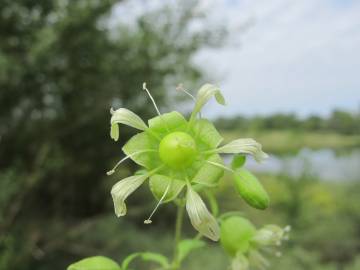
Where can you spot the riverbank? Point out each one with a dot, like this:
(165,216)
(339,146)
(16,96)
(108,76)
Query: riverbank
(290,141)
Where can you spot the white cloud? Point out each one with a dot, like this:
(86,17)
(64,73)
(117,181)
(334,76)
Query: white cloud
(299,56)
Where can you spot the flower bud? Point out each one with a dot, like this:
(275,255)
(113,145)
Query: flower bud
(271,235)
(250,189)
(235,234)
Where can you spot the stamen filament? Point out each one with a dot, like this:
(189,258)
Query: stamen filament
(127,157)
(154,103)
(220,166)
(152,99)
(149,221)
(181,88)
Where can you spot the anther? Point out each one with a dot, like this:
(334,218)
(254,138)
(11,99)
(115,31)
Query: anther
(110,172)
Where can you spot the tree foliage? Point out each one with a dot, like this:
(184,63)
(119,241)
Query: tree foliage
(60,66)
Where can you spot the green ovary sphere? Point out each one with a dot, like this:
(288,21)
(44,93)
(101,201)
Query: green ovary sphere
(177,150)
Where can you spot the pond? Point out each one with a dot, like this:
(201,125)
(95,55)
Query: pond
(325,164)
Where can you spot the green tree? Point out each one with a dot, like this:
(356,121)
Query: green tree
(60,66)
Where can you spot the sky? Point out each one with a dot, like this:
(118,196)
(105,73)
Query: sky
(286,56)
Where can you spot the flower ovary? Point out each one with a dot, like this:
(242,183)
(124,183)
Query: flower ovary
(177,150)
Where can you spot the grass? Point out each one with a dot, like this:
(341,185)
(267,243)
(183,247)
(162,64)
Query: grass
(287,141)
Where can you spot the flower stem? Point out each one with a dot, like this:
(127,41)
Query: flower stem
(178,228)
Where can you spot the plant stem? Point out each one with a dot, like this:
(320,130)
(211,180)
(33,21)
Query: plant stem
(178,228)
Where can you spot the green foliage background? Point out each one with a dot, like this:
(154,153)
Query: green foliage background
(61,68)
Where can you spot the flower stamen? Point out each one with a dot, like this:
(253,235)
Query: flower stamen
(220,166)
(127,157)
(180,87)
(154,103)
(148,220)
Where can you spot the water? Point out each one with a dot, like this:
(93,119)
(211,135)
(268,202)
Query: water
(325,164)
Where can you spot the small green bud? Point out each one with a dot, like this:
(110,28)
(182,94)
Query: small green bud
(235,234)
(177,150)
(250,189)
(238,161)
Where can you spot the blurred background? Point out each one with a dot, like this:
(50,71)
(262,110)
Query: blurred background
(288,69)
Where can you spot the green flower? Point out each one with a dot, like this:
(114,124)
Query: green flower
(177,155)
(244,243)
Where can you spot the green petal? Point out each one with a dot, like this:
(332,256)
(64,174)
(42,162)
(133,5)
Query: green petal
(114,132)
(95,263)
(126,117)
(203,96)
(244,146)
(209,174)
(172,121)
(204,130)
(201,219)
(122,189)
(271,235)
(159,183)
(139,142)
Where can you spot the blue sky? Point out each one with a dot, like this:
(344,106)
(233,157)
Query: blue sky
(295,56)
(281,56)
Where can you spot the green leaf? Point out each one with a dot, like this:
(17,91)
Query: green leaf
(172,121)
(250,189)
(238,161)
(146,256)
(209,174)
(125,263)
(155,257)
(139,142)
(188,245)
(95,263)
(205,131)
(159,183)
